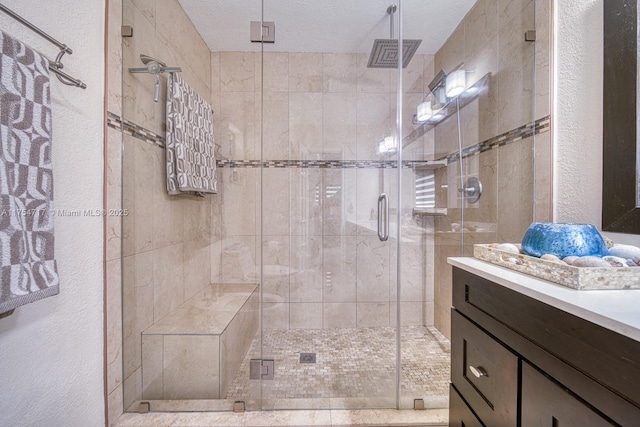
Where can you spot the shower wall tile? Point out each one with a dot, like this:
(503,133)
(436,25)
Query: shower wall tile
(516,62)
(146,7)
(238,259)
(480,24)
(338,205)
(372,314)
(306,269)
(543,179)
(339,315)
(412,77)
(307,188)
(168,272)
(215,72)
(306,315)
(305,125)
(239,201)
(114,58)
(138,306)
(412,270)
(191,367)
(515,187)
(543,56)
(197,218)
(411,313)
(197,267)
(368,189)
(275,314)
(274,75)
(138,88)
(238,122)
(305,72)
(428,72)
(237,71)
(276,201)
(168,211)
(132,389)
(480,118)
(339,125)
(114,194)
(113,353)
(137,197)
(373,267)
(485,168)
(376,80)
(114,405)
(339,72)
(339,262)
(451,54)
(216,261)
(276,269)
(510,9)
(275,125)
(152,384)
(376,119)
(173,24)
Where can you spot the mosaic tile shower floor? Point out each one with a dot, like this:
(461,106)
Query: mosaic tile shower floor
(351,363)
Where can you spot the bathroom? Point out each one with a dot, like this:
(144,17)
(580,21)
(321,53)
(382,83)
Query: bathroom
(309,250)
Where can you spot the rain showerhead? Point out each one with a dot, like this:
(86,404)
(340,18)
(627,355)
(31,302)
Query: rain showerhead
(384,53)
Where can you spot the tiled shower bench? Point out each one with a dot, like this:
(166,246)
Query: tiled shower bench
(195,351)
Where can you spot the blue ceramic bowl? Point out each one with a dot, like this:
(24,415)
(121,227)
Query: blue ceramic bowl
(563,240)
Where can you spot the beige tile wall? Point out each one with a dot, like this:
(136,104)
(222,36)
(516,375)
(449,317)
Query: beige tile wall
(491,39)
(324,266)
(166,241)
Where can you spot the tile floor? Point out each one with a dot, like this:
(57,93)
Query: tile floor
(350,363)
(354,369)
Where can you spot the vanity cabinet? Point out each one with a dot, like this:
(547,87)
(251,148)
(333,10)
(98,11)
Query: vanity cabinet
(518,361)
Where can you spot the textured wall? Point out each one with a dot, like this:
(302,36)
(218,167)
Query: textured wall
(52,350)
(578,111)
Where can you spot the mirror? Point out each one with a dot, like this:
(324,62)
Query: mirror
(621,171)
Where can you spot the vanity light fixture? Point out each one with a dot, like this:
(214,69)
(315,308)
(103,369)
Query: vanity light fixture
(425,112)
(456,83)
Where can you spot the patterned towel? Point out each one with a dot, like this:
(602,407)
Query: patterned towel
(28,270)
(191,165)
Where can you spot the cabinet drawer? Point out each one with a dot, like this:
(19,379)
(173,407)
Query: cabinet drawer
(547,404)
(484,372)
(459,413)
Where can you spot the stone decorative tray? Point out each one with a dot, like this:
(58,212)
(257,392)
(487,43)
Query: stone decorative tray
(580,278)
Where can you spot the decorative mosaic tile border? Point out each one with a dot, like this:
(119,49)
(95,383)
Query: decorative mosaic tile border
(525,131)
(116,122)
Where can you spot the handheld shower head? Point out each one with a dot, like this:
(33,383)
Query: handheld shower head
(146,60)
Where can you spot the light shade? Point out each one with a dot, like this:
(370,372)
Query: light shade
(387,145)
(425,112)
(456,83)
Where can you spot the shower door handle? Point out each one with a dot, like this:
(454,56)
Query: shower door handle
(383,235)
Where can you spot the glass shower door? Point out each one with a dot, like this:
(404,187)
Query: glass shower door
(328,183)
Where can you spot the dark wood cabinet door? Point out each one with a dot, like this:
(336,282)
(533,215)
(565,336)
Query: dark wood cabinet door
(547,404)
(484,372)
(459,413)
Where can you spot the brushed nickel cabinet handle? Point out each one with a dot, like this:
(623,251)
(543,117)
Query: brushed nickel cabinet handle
(478,372)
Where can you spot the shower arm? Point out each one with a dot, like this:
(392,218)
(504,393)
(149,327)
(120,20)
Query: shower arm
(391,10)
(162,70)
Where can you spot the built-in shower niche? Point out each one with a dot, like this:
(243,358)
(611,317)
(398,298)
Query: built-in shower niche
(195,351)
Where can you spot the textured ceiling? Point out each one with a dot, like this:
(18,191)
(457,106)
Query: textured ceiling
(323,25)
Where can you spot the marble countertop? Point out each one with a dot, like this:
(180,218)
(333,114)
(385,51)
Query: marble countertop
(617,310)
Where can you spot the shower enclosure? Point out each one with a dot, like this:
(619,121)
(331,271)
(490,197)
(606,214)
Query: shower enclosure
(316,277)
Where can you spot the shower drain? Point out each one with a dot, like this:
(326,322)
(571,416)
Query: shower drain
(307,358)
